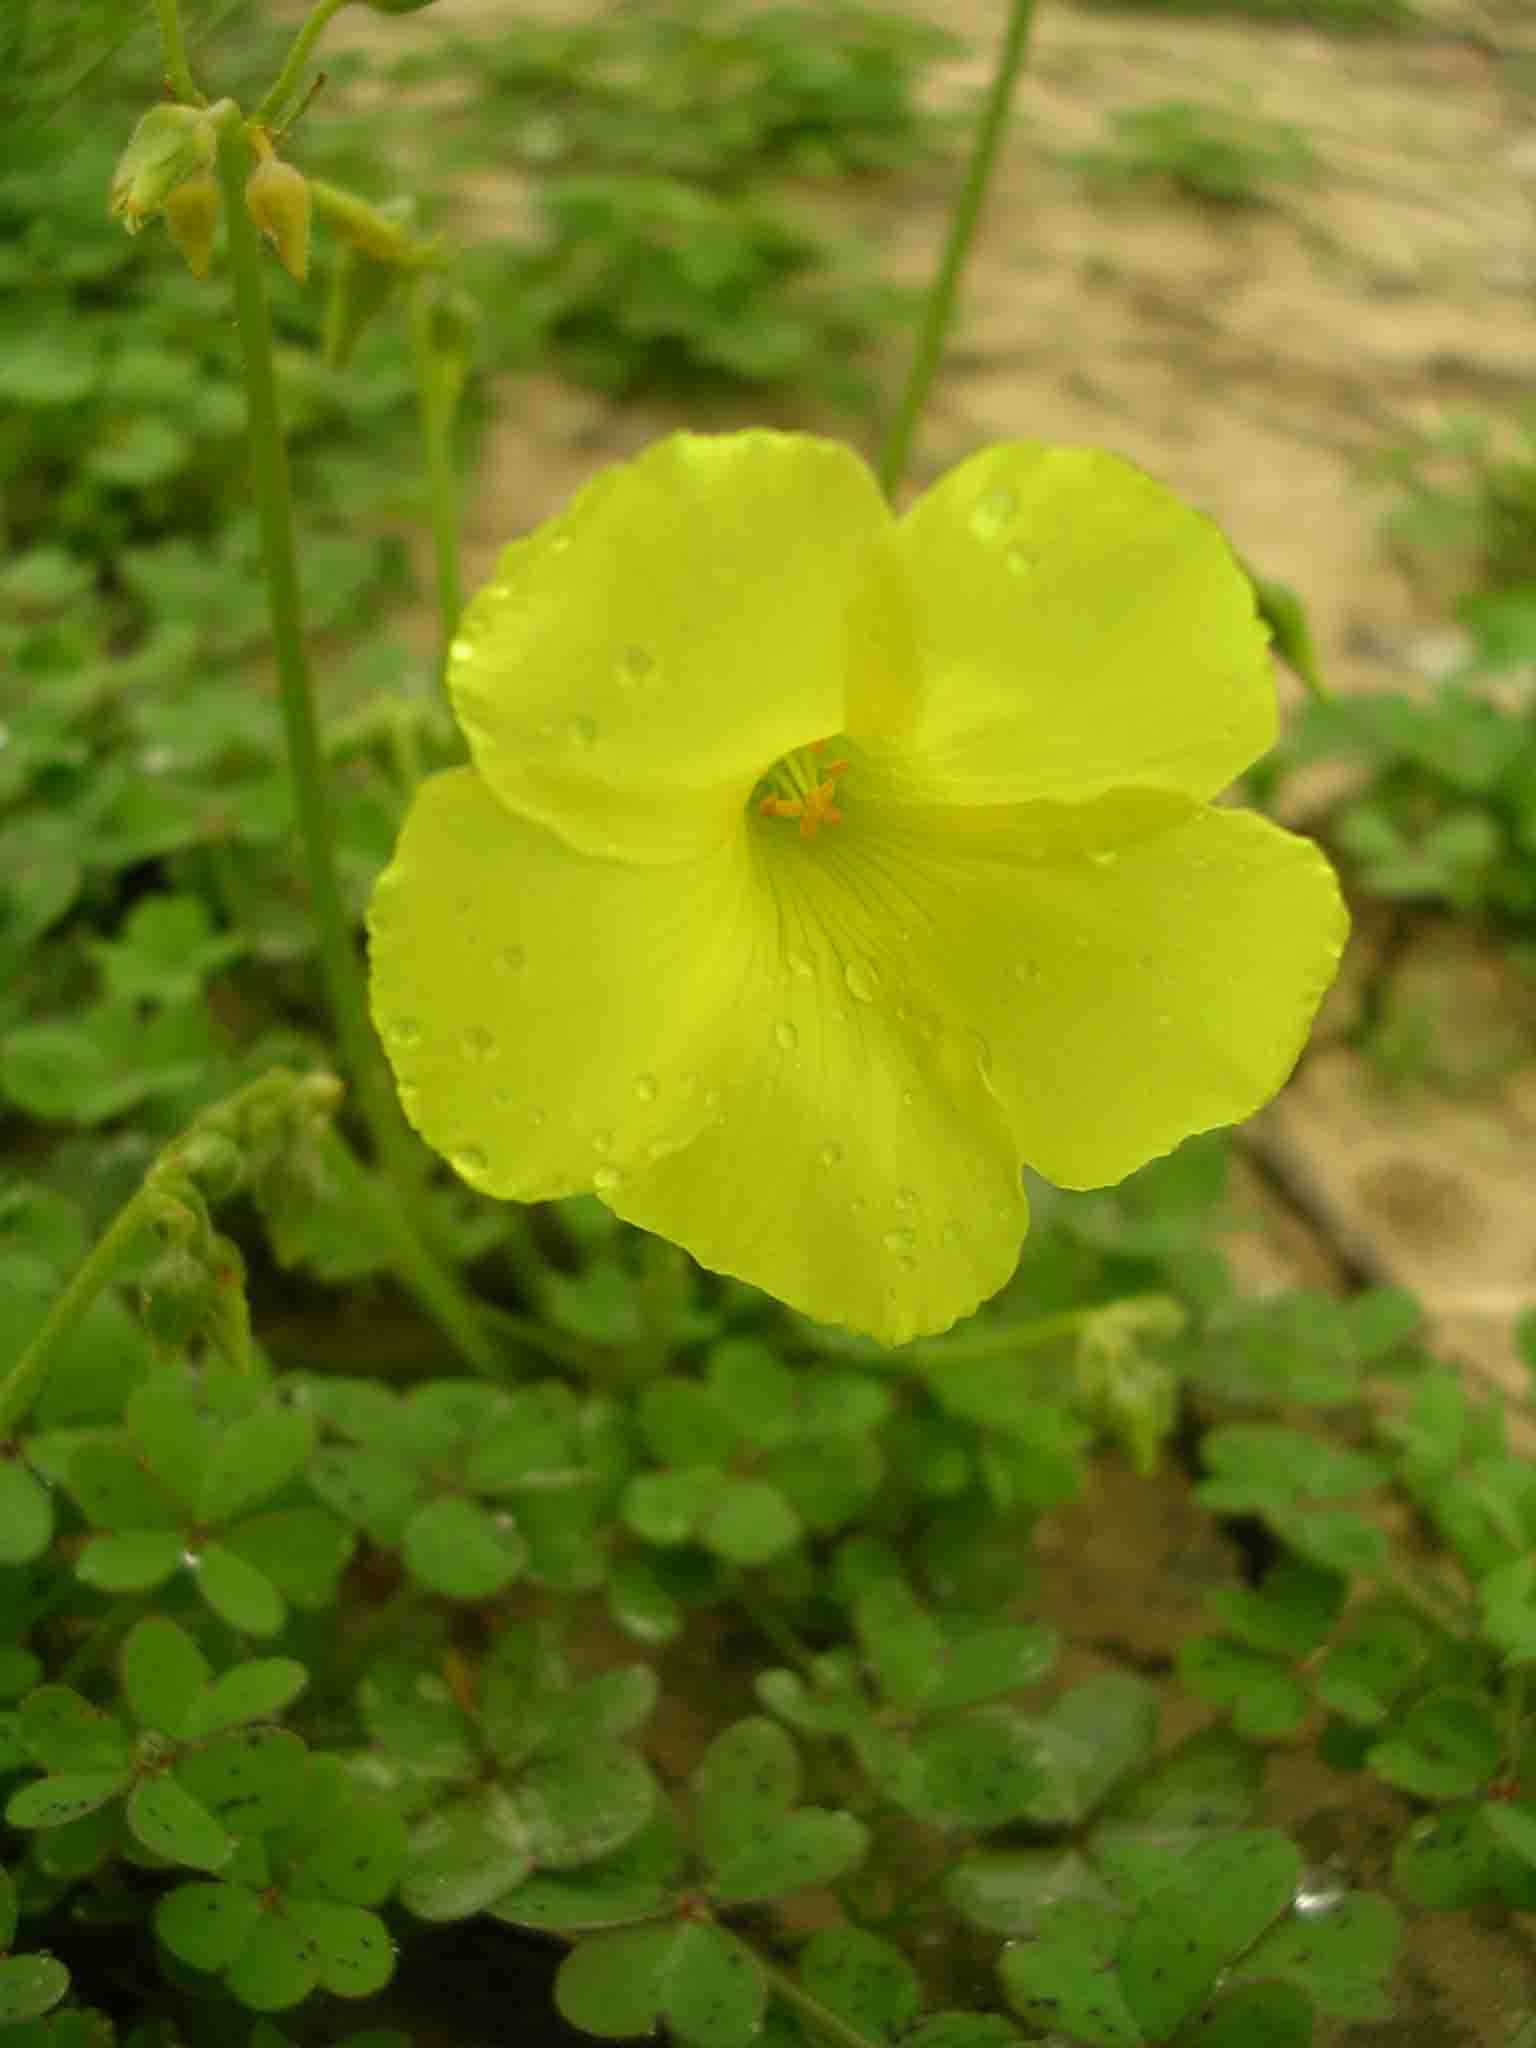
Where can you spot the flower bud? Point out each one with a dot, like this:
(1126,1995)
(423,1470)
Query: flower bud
(176,1295)
(171,144)
(360,288)
(192,216)
(277,199)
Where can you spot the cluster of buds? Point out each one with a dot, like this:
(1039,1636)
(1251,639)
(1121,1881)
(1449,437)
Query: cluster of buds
(168,168)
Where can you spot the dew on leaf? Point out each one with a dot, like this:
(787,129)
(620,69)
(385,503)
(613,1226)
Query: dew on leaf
(863,979)
(992,511)
(633,666)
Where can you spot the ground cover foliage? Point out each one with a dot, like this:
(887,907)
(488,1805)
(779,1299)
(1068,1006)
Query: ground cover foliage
(704,1648)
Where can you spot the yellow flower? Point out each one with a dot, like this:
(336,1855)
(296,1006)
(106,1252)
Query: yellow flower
(817,867)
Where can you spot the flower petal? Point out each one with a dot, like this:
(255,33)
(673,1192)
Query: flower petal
(1143,970)
(640,660)
(1079,630)
(544,1011)
(859,1169)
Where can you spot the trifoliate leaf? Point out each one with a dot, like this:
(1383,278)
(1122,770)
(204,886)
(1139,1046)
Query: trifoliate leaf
(207,1925)
(164,1673)
(699,1979)
(250,1781)
(453,1546)
(746,1782)
(865,1980)
(26,1515)
(171,1821)
(237,1592)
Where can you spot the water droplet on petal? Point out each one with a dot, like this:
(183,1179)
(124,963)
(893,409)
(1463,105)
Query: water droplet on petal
(1019,561)
(633,667)
(906,1198)
(602,1141)
(606,1179)
(461,650)
(470,1159)
(863,979)
(479,1043)
(786,1036)
(1105,857)
(511,959)
(950,1234)
(831,1154)
(645,1087)
(800,964)
(898,1240)
(1027,971)
(403,1031)
(711,1100)
(907,1098)
(582,731)
(559,543)
(992,511)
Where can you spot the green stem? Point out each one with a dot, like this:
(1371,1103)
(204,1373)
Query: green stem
(941,296)
(432,1285)
(437,456)
(340,967)
(988,1346)
(24,1381)
(178,75)
(272,109)
(829,2025)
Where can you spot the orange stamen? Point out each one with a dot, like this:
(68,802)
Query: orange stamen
(816,809)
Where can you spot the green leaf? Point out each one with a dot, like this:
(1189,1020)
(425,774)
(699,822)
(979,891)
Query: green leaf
(578,1805)
(746,1781)
(1254,1461)
(172,1433)
(1340,1957)
(1059,1986)
(533,1444)
(1446,1746)
(1285,615)
(252,1460)
(8,1913)
(989,1660)
(465,1854)
(278,1966)
(1256,2016)
(750,1524)
(255,1691)
(411,1713)
(683,1424)
(349,1842)
(63,1732)
(453,1546)
(115,1492)
(1264,1698)
(1341,1542)
(82,1845)
(207,1925)
(963,2030)
(863,1979)
(640,1604)
(353,1953)
(29,1987)
(26,1515)
(303,1551)
(668,1507)
(164,1673)
(1090,1738)
(237,1592)
(55,1802)
(1226,1893)
(1289,1616)
(903,1644)
(1514,1828)
(1457,1858)
(250,1781)
(699,1979)
(374,1488)
(1007,1891)
(168,1819)
(756,1391)
(1365,1673)
(637,1882)
(131,1561)
(809,1846)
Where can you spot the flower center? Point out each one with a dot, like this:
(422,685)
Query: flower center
(804,787)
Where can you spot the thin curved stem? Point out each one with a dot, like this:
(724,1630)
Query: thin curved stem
(941,295)
(178,74)
(23,1383)
(341,969)
(272,109)
(437,458)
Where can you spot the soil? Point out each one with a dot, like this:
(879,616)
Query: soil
(1256,359)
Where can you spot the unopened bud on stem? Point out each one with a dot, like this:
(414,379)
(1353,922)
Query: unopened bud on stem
(277,199)
(171,144)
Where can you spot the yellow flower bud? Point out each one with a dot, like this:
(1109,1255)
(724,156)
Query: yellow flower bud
(277,199)
(170,144)
(192,217)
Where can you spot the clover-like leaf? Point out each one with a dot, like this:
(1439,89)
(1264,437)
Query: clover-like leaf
(1339,1957)
(30,1985)
(865,1980)
(1225,1894)
(465,1854)
(26,1514)
(207,1925)
(699,1979)
(164,1673)
(174,1823)
(237,1592)
(453,1546)
(746,1782)
(249,1779)
(637,1882)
